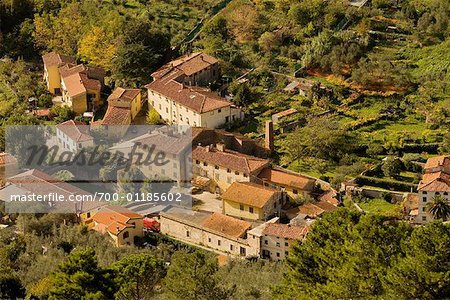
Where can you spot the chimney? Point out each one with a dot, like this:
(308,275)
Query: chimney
(221,147)
(269,135)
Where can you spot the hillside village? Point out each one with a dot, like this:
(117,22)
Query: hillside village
(291,144)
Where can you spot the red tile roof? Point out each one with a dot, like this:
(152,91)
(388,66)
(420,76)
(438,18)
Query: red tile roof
(330,197)
(287,178)
(7,159)
(75,130)
(291,232)
(285,113)
(198,99)
(438,161)
(229,159)
(56,59)
(226,225)
(249,193)
(114,219)
(117,116)
(79,83)
(435,182)
(122,94)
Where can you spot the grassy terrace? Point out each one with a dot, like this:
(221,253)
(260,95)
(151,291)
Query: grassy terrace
(379,206)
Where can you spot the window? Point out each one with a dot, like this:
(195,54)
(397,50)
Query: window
(245,175)
(278,244)
(424,199)
(216,167)
(250,209)
(231,247)
(160,107)
(219,110)
(126,234)
(423,208)
(424,218)
(445,193)
(197,162)
(286,244)
(228,171)
(205,164)
(266,242)
(153,103)
(241,206)
(209,240)
(278,254)
(236,173)
(286,253)
(437,193)
(88,215)
(188,234)
(424,192)
(295,192)
(219,242)
(167,110)
(181,117)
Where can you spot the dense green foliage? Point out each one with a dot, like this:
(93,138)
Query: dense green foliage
(349,255)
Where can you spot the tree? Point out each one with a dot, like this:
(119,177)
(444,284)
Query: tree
(345,255)
(137,275)
(140,52)
(439,208)
(322,138)
(80,277)
(10,286)
(392,166)
(153,117)
(193,276)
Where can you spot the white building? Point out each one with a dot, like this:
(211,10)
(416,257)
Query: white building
(435,181)
(73,136)
(176,93)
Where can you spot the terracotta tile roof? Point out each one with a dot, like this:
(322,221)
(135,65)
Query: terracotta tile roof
(79,83)
(286,178)
(226,225)
(117,116)
(326,206)
(197,99)
(435,182)
(330,197)
(174,144)
(75,130)
(7,159)
(438,161)
(311,210)
(114,219)
(122,94)
(55,59)
(42,183)
(285,113)
(70,69)
(189,64)
(229,159)
(291,232)
(249,193)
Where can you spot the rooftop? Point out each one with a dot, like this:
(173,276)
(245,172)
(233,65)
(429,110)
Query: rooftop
(287,178)
(291,232)
(249,193)
(435,182)
(438,161)
(117,116)
(79,83)
(56,59)
(114,219)
(227,225)
(7,159)
(126,95)
(75,130)
(229,159)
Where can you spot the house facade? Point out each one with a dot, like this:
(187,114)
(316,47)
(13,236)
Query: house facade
(277,239)
(435,182)
(224,167)
(73,136)
(292,183)
(251,201)
(124,226)
(213,231)
(126,98)
(78,85)
(180,95)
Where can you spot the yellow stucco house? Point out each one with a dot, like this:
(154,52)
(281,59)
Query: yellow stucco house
(79,85)
(124,226)
(251,201)
(126,98)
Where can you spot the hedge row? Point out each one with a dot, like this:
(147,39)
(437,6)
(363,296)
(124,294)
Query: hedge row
(386,184)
